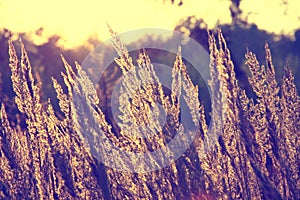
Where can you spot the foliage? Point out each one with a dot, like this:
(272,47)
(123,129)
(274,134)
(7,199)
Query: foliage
(256,157)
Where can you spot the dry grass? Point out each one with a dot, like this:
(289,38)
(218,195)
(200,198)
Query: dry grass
(256,157)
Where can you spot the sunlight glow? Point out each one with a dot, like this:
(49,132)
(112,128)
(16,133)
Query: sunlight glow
(75,21)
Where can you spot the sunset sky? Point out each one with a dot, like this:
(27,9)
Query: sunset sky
(76,20)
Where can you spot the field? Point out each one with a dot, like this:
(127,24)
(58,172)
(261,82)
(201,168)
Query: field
(249,149)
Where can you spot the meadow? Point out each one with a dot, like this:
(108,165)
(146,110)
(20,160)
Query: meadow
(43,155)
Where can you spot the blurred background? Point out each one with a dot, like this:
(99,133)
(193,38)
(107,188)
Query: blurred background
(75,28)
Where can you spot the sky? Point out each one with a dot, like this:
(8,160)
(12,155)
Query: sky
(75,21)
